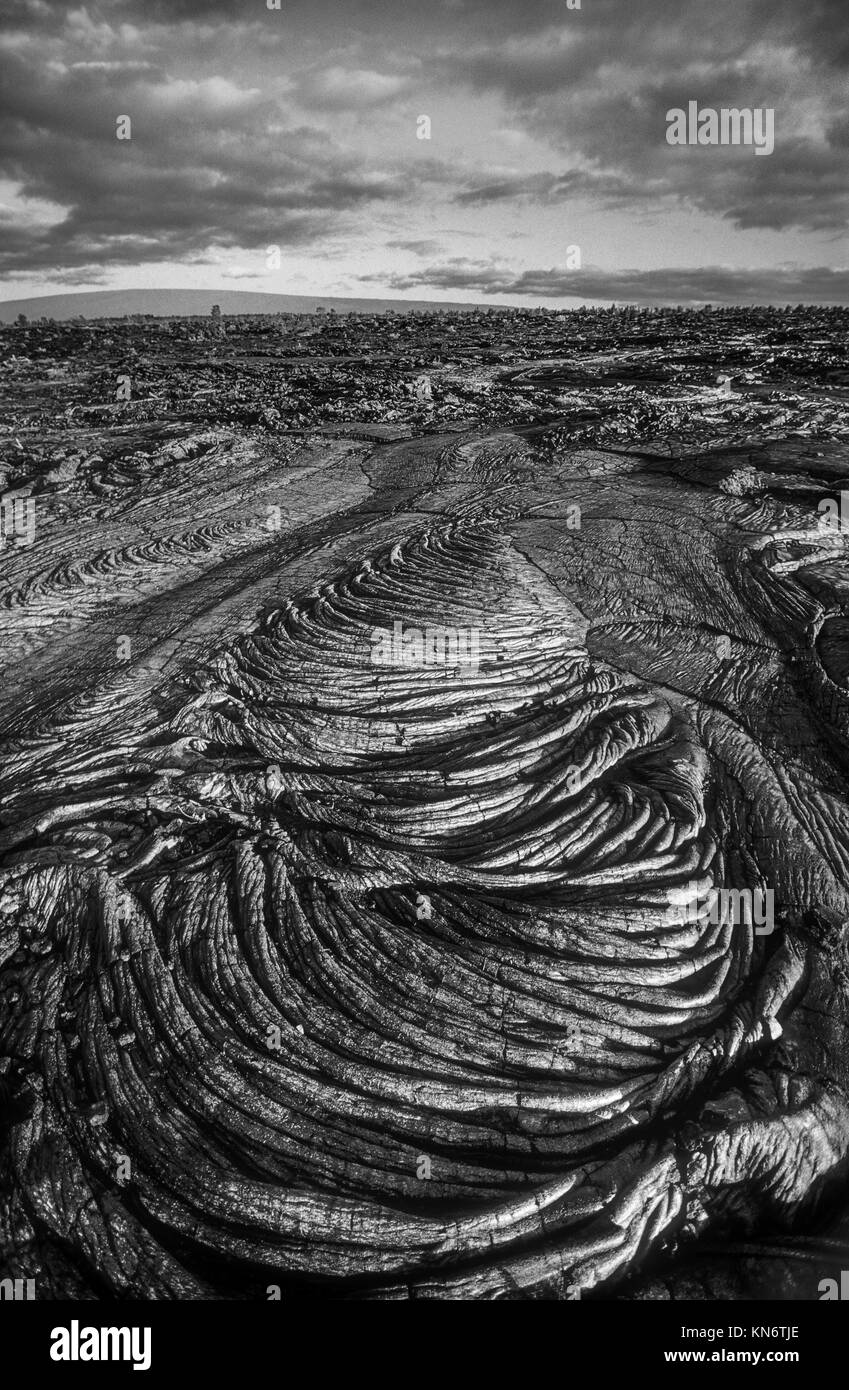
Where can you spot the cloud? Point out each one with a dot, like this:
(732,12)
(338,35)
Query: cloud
(90,275)
(116,66)
(341,89)
(212,163)
(254,127)
(191,99)
(597,91)
(425,247)
(671,285)
(798,186)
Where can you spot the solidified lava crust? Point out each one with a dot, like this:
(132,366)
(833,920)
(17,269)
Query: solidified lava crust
(353,974)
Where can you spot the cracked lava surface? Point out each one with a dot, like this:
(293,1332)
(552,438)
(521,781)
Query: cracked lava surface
(235,1054)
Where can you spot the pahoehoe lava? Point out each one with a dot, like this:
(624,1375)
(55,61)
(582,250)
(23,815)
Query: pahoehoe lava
(236,1054)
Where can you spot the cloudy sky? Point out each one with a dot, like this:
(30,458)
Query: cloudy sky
(298,128)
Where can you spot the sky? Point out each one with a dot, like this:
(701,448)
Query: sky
(279,150)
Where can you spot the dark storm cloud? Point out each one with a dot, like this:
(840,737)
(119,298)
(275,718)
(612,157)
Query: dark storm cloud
(700,285)
(550,46)
(23,14)
(209,164)
(224,157)
(797,186)
(598,88)
(376,17)
(426,247)
(816,27)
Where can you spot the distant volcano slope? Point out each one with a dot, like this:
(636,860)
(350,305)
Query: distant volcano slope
(392,946)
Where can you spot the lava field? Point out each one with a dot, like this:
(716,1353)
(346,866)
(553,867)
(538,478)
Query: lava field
(424,827)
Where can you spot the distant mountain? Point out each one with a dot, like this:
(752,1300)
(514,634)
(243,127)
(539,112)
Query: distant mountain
(101,304)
